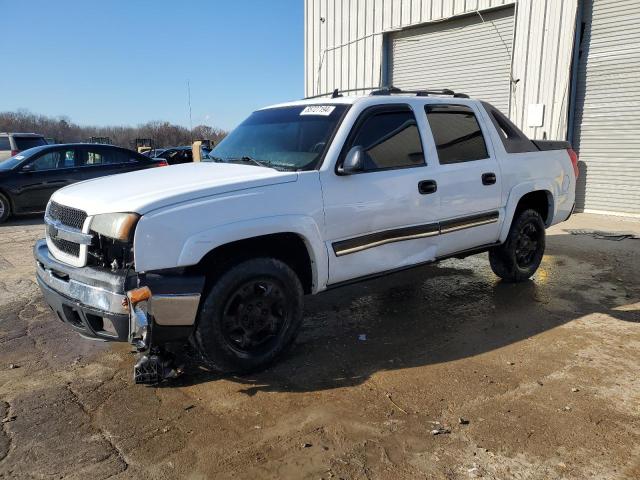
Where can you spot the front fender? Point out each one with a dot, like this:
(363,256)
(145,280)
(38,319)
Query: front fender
(196,246)
(519,191)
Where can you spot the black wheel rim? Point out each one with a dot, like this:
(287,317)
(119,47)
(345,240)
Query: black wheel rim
(527,244)
(254,316)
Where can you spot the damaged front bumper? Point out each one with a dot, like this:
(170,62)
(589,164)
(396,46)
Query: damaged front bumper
(99,304)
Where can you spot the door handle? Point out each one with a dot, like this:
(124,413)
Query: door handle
(426,187)
(488,178)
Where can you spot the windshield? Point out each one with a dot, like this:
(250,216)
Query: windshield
(287,138)
(14,161)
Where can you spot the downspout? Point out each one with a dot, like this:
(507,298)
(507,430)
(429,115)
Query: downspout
(577,40)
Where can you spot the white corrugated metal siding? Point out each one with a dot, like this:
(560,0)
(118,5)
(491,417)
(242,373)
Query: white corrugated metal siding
(345,48)
(607,114)
(543,51)
(470,54)
(344,38)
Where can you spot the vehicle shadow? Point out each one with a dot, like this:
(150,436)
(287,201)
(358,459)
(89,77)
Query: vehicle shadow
(428,315)
(24,220)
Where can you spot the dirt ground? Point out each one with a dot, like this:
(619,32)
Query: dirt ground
(530,381)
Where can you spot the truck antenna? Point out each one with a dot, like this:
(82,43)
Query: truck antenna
(190,121)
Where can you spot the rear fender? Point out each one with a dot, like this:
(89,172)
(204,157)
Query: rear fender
(520,191)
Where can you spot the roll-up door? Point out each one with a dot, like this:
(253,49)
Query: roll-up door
(470,54)
(607,107)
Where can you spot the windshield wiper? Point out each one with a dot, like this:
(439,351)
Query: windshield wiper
(260,163)
(248,159)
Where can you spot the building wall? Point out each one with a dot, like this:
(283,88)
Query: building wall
(345,42)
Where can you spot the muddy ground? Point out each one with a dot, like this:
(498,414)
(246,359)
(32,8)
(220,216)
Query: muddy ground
(545,373)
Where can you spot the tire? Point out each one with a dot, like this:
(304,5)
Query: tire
(251,315)
(5,208)
(519,257)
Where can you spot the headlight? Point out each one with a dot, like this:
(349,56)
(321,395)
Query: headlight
(118,226)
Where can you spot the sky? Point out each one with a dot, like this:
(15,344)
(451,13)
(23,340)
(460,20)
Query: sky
(126,62)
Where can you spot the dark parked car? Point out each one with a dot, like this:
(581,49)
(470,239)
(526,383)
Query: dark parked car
(28,179)
(176,155)
(155,153)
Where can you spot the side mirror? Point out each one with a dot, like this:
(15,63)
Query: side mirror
(353,162)
(27,168)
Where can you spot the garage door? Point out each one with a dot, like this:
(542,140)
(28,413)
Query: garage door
(607,112)
(466,55)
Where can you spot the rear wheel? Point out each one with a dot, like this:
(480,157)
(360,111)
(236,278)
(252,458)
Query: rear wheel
(519,257)
(5,208)
(250,316)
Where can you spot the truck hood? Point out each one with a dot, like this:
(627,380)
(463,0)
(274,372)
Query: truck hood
(146,190)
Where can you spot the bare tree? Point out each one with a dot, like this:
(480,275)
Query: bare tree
(63,130)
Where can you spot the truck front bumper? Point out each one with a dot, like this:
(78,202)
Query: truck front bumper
(94,301)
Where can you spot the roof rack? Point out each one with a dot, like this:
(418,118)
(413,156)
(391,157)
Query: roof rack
(390,90)
(419,93)
(337,92)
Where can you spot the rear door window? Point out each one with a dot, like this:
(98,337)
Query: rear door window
(93,156)
(457,133)
(4,143)
(24,143)
(96,156)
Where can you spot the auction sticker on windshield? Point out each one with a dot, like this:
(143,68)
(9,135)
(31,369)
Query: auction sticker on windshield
(318,110)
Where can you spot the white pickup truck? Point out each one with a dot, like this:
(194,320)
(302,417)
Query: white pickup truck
(299,198)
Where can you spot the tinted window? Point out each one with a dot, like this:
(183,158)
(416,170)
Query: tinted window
(54,160)
(118,156)
(457,133)
(513,139)
(105,156)
(390,139)
(4,143)
(287,137)
(23,143)
(94,157)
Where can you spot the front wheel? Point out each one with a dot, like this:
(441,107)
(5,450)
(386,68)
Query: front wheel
(519,257)
(5,208)
(250,316)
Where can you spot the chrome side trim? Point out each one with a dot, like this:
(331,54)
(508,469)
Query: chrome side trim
(90,296)
(468,222)
(371,240)
(175,309)
(359,248)
(357,244)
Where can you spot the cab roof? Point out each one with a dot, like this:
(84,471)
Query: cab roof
(385,95)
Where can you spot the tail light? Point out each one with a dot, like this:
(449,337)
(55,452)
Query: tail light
(162,163)
(14,152)
(574,160)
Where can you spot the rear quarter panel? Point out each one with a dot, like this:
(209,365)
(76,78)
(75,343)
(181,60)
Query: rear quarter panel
(550,171)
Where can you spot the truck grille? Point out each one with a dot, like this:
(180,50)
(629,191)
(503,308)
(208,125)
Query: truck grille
(70,217)
(66,246)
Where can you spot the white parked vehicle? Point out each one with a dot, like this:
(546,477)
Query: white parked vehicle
(300,198)
(13,143)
